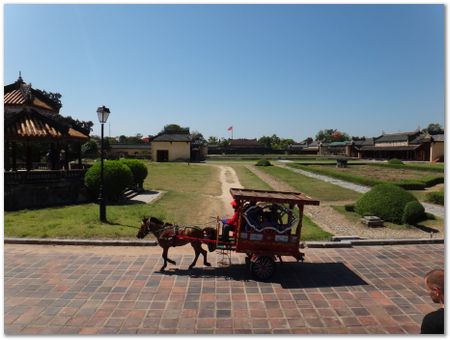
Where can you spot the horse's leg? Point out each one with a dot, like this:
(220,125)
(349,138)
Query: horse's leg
(204,253)
(164,256)
(195,245)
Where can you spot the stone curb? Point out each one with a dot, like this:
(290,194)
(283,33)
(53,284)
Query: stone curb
(379,242)
(79,242)
(311,244)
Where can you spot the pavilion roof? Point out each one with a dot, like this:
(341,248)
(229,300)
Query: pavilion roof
(19,93)
(30,124)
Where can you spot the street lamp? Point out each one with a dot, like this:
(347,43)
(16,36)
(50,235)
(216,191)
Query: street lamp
(103,113)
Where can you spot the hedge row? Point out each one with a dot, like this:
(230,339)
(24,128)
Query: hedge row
(410,167)
(436,197)
(408,184)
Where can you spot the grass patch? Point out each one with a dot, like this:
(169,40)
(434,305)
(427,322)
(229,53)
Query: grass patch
(312,232)
(312,187)
(248,179)
(369,175)
(185,184)
(431,222)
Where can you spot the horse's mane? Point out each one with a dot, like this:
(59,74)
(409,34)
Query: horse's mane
(155,220)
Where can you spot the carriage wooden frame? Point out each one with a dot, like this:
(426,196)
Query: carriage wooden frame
(264,247)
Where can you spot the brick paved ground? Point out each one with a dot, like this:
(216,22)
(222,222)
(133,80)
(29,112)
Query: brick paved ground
(96,290)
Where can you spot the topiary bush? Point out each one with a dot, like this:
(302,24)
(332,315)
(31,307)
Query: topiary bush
(386,201)
(349,207)
(139,170)
(395,161)
(436,197)
(117,176)
(263,162)
(414,212)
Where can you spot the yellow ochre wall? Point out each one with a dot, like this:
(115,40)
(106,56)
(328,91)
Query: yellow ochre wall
(437,150)
(178,151)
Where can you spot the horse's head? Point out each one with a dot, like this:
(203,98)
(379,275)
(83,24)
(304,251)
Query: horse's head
(210,234)
(148,225)
(144,229)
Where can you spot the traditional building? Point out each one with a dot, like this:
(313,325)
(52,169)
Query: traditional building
(131,150)
(171,147)
(34,130)
(412,146)
(32,119)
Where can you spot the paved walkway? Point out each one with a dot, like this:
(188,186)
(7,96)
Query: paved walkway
(118,290)
(431,208)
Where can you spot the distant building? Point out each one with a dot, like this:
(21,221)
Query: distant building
(245,146)
(401,145)
(171,147)
(131,150)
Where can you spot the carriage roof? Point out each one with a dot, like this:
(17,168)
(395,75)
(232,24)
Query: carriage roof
(272,196)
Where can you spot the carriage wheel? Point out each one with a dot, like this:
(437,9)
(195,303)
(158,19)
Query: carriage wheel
(263,267)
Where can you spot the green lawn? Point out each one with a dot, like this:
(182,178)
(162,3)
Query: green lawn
(354,217)
(186,187)
(312,232)
(320,190)
(372,174)
(248,179)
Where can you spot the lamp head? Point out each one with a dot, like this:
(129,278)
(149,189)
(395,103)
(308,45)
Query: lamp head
(103,114)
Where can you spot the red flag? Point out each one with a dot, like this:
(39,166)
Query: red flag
(230,128)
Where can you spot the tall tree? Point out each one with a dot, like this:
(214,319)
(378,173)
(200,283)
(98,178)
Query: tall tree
(331,135)
(213,140)
(433,129)
(174,128)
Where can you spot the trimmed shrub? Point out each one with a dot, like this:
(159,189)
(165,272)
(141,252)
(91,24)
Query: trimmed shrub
(386,201)
(139,170)
(432,181)
(395,161)
(117,176)
(263,162)
(414,212)
(410,184)
(349,207)
(436,197)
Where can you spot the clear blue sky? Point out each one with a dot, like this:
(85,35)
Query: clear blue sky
(285,69)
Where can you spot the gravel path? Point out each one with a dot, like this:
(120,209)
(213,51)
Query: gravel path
(332,221)
(430,208)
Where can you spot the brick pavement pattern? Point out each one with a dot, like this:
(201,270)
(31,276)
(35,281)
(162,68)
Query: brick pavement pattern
(360,290)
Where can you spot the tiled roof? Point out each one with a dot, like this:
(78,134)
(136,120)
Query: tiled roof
(245,142)
(17,93)
(438,138)
(169,137)
(33,125)
(396,137)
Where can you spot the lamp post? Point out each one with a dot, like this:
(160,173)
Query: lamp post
(103,113)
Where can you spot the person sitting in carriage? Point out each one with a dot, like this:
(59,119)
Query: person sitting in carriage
(230,224)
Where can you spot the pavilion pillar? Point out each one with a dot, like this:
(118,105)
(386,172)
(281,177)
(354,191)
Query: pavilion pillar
(29,164)
(79,155)
(6,156)
(65,160)
(14,156)
(53,156)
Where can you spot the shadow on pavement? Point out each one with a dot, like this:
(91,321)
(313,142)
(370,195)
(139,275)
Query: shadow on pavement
(288,275)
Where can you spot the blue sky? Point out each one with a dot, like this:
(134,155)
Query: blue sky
(285,69)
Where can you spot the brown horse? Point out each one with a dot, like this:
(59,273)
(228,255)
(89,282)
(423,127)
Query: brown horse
(169,235)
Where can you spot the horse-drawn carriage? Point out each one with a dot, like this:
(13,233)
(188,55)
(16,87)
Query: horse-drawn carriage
(268,228)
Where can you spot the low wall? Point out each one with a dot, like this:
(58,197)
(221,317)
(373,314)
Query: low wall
(39,189)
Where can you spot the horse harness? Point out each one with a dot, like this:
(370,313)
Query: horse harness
(176,231)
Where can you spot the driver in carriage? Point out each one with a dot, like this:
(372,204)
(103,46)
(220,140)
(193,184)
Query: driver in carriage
(230,224)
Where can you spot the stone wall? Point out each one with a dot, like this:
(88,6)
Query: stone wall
(40,189)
